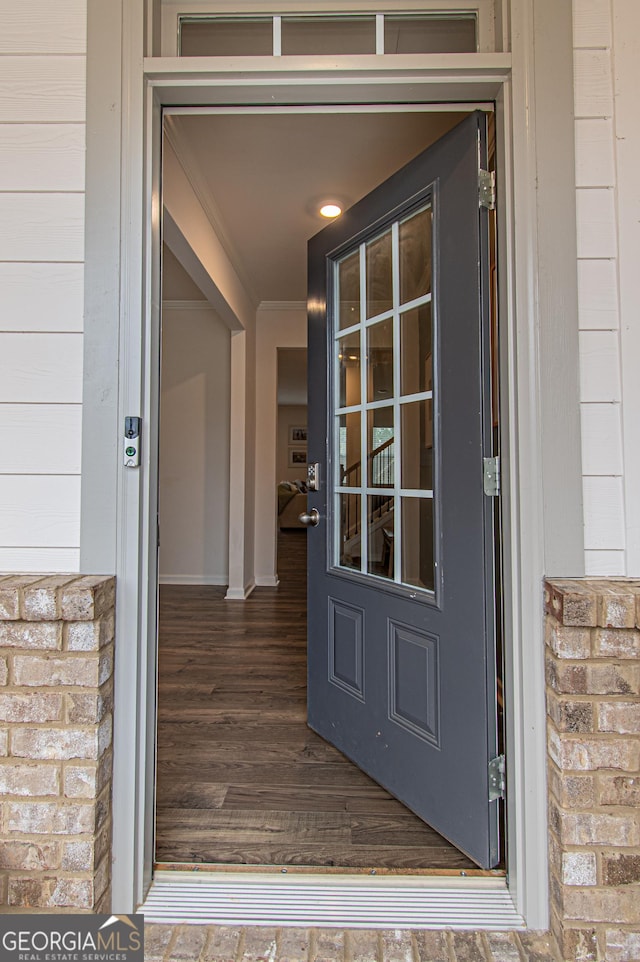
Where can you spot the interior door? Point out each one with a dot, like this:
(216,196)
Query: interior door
(402,665)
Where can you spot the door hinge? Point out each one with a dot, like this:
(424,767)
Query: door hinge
(496,778)
(487,189)
(492,477)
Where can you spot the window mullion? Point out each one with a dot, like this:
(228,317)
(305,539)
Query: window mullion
(277,36)
(364,422)
(397,506)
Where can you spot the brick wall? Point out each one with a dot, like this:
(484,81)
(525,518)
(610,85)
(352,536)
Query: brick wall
(56,698)
(593,720)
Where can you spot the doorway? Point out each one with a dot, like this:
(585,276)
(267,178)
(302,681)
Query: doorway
(242,780)
(207,616)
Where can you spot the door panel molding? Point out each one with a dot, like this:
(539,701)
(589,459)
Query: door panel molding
(427,727)
(341,646)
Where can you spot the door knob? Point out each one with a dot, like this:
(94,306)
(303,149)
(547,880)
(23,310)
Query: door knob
(310,519)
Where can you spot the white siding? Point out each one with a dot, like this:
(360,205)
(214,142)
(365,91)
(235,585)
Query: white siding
(41,368)
(592,24)
(42,141)
(595,163)
(597,227)
(593,91)
(605,563)
(42,89)
(39,511)
(601,439)
(599,367)
(596,216)
(603,505)
(42,157)
(43,26)
(597,295)
(41,297)
(41,227)
(34,438)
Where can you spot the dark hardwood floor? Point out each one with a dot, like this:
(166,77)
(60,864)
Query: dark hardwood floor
(241,779)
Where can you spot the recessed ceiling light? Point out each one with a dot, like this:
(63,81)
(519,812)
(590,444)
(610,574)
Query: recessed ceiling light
(330,210)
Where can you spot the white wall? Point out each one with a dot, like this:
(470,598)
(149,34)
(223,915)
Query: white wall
(277,325)
(289,415)
(192,239)
(42,136)
(607,79)
(194,446)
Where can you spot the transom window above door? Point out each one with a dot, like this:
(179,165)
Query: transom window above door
(323,34)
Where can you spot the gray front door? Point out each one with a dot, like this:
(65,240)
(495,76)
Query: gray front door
(402,665)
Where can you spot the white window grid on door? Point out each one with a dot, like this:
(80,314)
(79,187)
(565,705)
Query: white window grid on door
(364,490)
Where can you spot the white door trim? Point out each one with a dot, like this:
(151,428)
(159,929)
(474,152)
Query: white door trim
(163,84)
(148,85)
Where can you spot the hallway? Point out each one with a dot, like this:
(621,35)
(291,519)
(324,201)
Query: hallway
(241,778)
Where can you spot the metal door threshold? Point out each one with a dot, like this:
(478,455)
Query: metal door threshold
(325,901)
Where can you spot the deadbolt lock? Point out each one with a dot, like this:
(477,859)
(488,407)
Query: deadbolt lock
(313,476)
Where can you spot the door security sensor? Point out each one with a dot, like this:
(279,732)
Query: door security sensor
(131,449)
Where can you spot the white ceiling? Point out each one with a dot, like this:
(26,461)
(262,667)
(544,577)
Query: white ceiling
(260,177)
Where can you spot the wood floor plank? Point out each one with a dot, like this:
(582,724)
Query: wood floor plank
(348,800)
(242,828)
(198,795)
(247,773)
(241,778)
(391,829)
(191,848)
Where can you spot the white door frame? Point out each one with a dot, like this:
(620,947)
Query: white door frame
(146,87)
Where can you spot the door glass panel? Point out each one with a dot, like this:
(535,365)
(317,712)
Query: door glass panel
(417,445)
(349,369)
(349,441)
(430,34)
(384,500)
(239,37)
(416,367)
(417,542)
(349,290)
(305,36)
(380,361)
(380,453)
(415,256)
(380,534)
(350,531)
(379,276)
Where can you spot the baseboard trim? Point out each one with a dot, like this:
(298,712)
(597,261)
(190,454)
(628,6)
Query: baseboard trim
(193,580)
(239,594)
(267,581)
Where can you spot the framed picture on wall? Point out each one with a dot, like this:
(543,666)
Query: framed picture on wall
(297,457)
(298,435)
